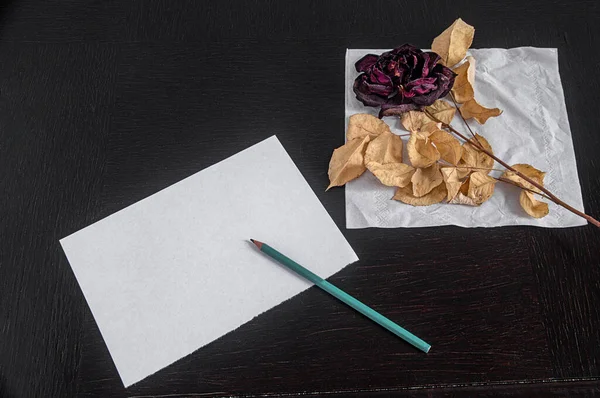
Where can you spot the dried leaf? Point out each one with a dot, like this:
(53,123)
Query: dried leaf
(405,195)
(472,109)
(462,169)
(532,206)
(481,187)
(421,151)
(347,162)
(392,174)
(453,43)
(424,180)
(427,129)
(530,171)
(414,120)
(386,148)
(362,124)
(442,110)
(471,157)
(464,188)
(448,146)
(462,199)
(452,181)
(463,89)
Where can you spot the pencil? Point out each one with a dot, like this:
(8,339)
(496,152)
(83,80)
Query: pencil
(343,297)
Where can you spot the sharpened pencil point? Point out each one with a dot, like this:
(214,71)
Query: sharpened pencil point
(257,243)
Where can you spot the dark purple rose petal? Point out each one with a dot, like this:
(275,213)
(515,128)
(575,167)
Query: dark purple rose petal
(423,80)
(366,97)
(397,110)
(363,64)
(379,89)
(420,86)
(396,101)
(422,89)
(377,76)
(446,79)
(406,49)
(432,96)
(430,60)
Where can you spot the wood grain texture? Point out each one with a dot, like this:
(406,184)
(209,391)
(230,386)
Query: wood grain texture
(105,103)
(53,130)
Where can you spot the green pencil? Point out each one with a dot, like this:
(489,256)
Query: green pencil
(344,297)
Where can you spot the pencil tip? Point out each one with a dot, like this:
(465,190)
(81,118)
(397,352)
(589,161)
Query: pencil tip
(257,243)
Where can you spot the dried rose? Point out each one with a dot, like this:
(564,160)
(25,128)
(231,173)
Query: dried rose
(401,80)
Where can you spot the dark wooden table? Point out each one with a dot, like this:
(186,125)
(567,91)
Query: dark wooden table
(103,104)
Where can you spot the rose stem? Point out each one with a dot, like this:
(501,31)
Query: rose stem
(551,196)
(462,117)
(522,187)
(448,164)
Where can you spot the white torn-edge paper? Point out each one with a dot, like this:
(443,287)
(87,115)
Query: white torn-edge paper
(175,271)
(534,128)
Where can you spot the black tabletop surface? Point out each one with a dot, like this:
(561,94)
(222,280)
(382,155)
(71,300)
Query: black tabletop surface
(105,103)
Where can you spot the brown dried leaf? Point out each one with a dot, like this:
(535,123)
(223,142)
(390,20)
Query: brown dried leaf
(528,202)
(405,195)
(362,124)
(471,157)
(347,162)
(530,171)
(421,151)
(414,120)
(424,180)
(481,187)
(386,148)
(452,181)
(532,206)
(427,129)
(448,146)
(472,109)
(392,174)
(464,188)
(463,89)
(442,110)
(462,169)
(462,199)
(453,43)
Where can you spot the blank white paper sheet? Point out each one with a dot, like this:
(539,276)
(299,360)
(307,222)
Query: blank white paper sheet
(175,271)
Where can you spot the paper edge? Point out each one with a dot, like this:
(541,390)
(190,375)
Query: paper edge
(237,328)
(274,136)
